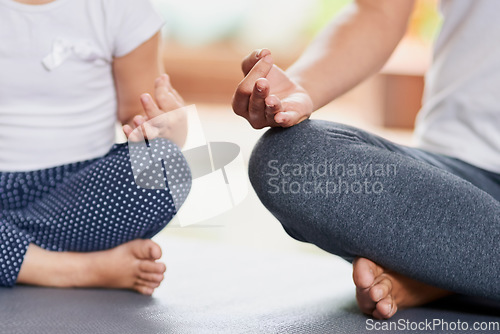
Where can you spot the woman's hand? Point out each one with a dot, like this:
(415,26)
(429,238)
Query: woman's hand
(267,96)
(166,118)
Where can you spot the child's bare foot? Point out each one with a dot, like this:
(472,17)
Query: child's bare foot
(380,292)
(129,266)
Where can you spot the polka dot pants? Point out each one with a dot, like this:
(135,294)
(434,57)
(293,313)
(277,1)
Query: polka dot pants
(86,206)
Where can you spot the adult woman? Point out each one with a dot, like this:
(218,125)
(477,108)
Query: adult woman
(431,225)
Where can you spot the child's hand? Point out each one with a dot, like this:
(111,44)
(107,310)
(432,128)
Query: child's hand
(162,119)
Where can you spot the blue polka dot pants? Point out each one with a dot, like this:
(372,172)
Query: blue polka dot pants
(84,206)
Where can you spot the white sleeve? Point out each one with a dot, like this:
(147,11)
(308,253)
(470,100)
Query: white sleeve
(131,23)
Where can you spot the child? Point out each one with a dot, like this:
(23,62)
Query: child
(71,214)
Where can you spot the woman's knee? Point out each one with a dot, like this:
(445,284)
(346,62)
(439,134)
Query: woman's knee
(271,147)
(293,173)
(294,154)
(271,170)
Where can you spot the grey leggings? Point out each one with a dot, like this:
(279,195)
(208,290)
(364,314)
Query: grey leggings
(430,217)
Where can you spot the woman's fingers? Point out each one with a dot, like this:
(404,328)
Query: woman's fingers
(289,118)
(273,106)
(241,99)
(249,62)
(295,108)
(257,104)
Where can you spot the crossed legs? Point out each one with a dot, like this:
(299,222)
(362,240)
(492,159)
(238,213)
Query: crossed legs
(87,224)
(416,225)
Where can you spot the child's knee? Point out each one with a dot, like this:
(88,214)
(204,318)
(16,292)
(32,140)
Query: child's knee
(161,165)
(155,178)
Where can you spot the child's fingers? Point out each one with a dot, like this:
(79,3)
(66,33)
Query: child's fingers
(164,83)
(150,106)
(133,135)
(165,79)
(165,97)
(150,131)
(127,129)
(138,120)
(168,102)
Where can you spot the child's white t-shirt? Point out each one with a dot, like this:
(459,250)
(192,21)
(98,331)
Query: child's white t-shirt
(57,95)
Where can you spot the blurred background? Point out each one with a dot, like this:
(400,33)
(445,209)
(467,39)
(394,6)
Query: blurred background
(204,43)
(206,40)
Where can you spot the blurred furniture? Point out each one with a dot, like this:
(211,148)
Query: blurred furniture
(391,98)
(204,75)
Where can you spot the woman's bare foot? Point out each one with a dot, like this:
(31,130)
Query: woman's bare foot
(129,266)
(380,292)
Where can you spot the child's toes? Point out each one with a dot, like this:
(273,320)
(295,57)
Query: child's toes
(152,267)
(145,290)
(149,284)
(151,277)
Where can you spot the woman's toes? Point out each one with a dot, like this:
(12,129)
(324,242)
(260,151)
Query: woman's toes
(380,289)
(152,267)
(365,303)
(385,308)
(366,275)
(364,272)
